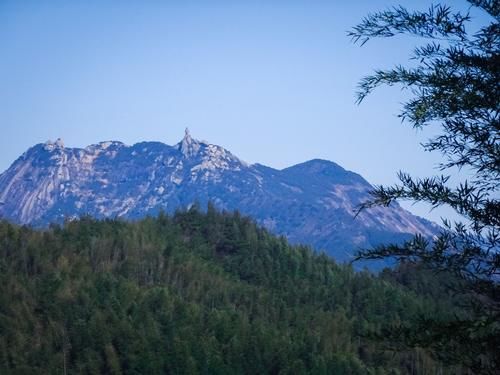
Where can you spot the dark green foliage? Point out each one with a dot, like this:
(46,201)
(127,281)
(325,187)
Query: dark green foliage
(454,82)
(195,293)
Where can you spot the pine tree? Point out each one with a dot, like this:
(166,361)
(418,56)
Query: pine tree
(454,81)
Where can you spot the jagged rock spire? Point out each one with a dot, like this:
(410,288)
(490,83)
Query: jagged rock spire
(189,146)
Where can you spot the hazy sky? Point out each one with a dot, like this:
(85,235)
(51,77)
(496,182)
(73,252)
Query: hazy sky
(272,81)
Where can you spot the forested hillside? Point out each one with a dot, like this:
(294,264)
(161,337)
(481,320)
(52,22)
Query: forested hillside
(208,293)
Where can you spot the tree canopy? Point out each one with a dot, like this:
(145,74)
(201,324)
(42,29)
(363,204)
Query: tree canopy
(196,293)
(454,82)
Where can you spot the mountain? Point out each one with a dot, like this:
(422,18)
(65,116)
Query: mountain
(313,202)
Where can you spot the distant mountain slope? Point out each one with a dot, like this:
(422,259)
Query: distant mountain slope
(312,202)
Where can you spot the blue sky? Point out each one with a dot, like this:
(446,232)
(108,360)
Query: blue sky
(272,81)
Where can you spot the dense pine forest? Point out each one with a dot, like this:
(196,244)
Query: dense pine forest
(198,293)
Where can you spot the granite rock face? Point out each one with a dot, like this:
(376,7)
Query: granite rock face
(312,203)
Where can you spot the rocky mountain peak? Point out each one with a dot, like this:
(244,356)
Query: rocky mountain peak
(107,144)
(312,202)
(51,146)
(189,147)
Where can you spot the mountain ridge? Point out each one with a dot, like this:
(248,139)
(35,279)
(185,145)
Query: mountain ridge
(311,202)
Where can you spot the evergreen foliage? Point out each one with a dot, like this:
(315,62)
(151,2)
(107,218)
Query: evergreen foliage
(195,293)
(454,82)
